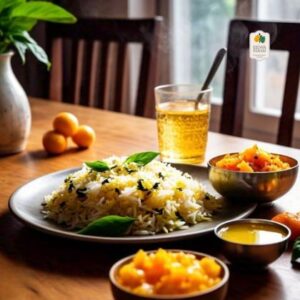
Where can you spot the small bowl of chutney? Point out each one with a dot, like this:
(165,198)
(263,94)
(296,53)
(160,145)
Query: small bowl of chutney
(252,242)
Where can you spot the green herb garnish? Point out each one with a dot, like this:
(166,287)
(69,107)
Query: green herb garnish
(106,180)
(155,185)
(142,158)
(108,226)
(81,193)
(140,186)
(129,171)
(160,175)
(62,204)
(98,165)
(71,186)
(296,251)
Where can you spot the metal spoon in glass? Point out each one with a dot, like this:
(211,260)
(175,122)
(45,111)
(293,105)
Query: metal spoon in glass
(213,69)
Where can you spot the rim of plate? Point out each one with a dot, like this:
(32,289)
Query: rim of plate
(162,237)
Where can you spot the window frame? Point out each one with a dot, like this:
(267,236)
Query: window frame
(262,123)
(259,124)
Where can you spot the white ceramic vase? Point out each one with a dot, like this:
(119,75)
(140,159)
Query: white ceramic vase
(15,116)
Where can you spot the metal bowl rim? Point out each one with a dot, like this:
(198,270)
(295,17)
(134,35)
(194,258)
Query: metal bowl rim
(253,221)
(210,165)
(121,261)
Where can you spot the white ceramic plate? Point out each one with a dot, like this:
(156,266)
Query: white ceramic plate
(25,204)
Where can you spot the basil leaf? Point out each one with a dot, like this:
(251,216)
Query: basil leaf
(296,251)
(108,226)
(142,158)
(98,165)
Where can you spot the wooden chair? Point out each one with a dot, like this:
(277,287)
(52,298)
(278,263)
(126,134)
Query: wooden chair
(90,59)
(283,36)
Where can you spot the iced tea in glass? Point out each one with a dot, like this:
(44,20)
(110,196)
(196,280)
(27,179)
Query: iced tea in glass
(182,122)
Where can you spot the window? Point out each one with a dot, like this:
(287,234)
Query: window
(269,75)
(200,30)
(267,78)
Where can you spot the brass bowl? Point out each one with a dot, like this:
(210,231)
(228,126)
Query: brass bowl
(256,255)
(260,187)
(218,292)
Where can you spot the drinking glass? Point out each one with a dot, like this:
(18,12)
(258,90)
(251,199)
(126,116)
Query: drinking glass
(182,122)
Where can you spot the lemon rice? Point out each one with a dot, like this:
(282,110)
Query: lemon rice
(159,197)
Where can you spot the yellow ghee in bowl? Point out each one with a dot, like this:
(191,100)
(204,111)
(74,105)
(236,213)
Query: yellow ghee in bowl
(252,234)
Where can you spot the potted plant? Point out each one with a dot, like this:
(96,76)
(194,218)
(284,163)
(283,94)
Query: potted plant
(17,18)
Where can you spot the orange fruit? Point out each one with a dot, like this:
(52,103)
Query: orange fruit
(54,142)
(65,123)
(84,137)
(291,220)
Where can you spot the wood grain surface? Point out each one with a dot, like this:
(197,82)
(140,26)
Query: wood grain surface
(34,265)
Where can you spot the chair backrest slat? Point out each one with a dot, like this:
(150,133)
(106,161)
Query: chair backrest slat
(142,90)
(103,74)
(85,70)
(56,78)
(94,62)
(77,67)
(119,78)
(93,87)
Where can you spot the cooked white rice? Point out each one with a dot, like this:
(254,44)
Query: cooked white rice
(159,197)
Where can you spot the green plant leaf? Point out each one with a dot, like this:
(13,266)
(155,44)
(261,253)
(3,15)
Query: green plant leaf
(8,3)
(5,43)
(45,11)
(23,37)
(21,48)
(98,165)
(108,226)
(21,23)
(142,158)
(39,53)
(19,16)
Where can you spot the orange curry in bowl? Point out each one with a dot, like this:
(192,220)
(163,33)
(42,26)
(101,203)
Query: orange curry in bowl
(253,159)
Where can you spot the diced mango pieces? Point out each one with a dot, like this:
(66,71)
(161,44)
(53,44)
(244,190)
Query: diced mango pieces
(169,273)
(211,268)
(130,276)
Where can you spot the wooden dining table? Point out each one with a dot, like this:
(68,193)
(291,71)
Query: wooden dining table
(35,265)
